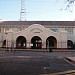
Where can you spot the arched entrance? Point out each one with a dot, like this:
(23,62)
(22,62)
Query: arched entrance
(4,43)
(21,42)
(36,42)
(69,44)
(51,42)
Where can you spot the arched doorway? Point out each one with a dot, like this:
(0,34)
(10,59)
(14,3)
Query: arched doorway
(36,42)
(4,43)
(51,42)
(69,44)
(21,42)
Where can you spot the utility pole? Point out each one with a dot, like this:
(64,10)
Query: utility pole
(23,11)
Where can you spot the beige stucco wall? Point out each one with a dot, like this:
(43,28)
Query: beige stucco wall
(73,35)
(42,32)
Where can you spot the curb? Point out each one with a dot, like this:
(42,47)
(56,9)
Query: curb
(69,72)
(70,60)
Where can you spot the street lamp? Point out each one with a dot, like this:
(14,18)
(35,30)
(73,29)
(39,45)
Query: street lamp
(6,42)
(12,44)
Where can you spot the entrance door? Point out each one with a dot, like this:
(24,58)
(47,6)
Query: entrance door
(36,42)
(51,42)
(21,42)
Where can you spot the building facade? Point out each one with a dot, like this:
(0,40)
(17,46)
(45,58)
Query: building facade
(37,34)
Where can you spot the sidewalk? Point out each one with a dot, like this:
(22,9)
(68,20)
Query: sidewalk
(71,59)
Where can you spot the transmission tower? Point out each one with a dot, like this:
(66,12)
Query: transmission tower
(23,11)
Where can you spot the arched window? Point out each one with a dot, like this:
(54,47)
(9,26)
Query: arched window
(69,44)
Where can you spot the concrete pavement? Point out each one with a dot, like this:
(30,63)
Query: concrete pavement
(34,63)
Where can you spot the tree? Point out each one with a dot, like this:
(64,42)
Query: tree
(69,4)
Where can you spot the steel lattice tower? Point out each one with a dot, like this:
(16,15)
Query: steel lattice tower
(23,11)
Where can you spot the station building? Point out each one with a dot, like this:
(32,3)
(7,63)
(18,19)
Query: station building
(37,34)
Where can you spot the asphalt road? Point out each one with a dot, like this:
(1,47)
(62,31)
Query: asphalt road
(35,64)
